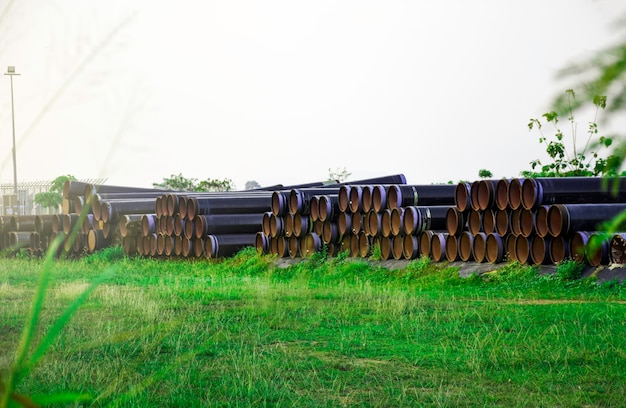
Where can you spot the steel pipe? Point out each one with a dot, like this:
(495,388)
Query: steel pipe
(579,190)
(597,249)
(452,248)
(466,243)
(617,248)
(567,218)
(420,195)
(462,196)
(494,248)
(540,250)
(479,247)
(224,245)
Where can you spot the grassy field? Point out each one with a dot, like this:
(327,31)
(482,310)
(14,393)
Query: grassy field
(324,332)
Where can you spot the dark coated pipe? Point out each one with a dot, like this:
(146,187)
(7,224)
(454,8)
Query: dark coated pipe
(541,220)
(558,249)
(488,220)
(386,244)
(479,247)
(224,245)
(288,225)
(466,243)
(515,193)
(312,243)
(96,240)
(276,225)
(397,247)
(422,218)
(580,190)
(343,198)
(379,198)
(302,225)
(374,223)
(567,218)
(148,223)
(462,196)
(390,179)
(43,223)
(130,224)
(452,248)
(358,220)
(261,243)
(438,246)
(540,250)
(509,245)
(300,199)
(494,248)
(411,248)
(330,233)
(232,224)
(474,221)
(597,248)
(474,195)
(385,223)
(91,189)
(502,194)
(112,210)
(22,223)
(522,250)
(486,195)
(577,246)
(328,207)
(355,198)
(514,221)
(280,203)
(314,208)
(503,218)
(424,242)
(455,221)
(364,245)
(396,222)
(344,223)
(236,204)
(420,195)
(527,222)
(69,222)
(366,198)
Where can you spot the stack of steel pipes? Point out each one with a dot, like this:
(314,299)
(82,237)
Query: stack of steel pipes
(302,220)
(355,217)
(536,220)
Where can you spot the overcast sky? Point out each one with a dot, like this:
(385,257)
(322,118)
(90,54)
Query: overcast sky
(281,91)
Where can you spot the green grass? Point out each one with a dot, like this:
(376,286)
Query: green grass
(323,332)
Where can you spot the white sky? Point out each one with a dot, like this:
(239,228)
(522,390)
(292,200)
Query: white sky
(281,91)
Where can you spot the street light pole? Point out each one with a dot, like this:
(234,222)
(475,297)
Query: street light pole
(11,72)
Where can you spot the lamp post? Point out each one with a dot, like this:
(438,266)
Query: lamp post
(11,72)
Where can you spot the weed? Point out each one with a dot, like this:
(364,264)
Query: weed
(585,162)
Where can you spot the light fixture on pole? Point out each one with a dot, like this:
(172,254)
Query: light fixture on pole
(11,72)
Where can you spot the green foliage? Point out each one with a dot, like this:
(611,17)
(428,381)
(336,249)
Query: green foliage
(569,270)
(485,174)
(53,197)
(575,162)
(178,182)
(338,175)
(376,252)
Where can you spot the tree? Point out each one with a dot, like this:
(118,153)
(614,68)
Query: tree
(485,174)
(338,175)
(178,182)
(252,184)
(53,197)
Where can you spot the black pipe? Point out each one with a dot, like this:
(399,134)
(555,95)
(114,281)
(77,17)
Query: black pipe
(300,199)
(579,190)
(418,218)
(224,245)
(113,209)
(422,195)
(236,204)
(213,224)
(567,218)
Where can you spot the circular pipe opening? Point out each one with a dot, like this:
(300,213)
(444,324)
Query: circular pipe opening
(522,250)
(494,247)
(515,194)
(397,221)
(466,242)
(356,199)
(489,221)
(410,246)
(452,248)
(366,198)
(479,248)
(502,194)
(385,223)
(526,222)
(558,219)
(462,197)
(558,249)
(539,250)
(379,198)
(455,221)
(474,221)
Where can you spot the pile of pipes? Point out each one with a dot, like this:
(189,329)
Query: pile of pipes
(533,221)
